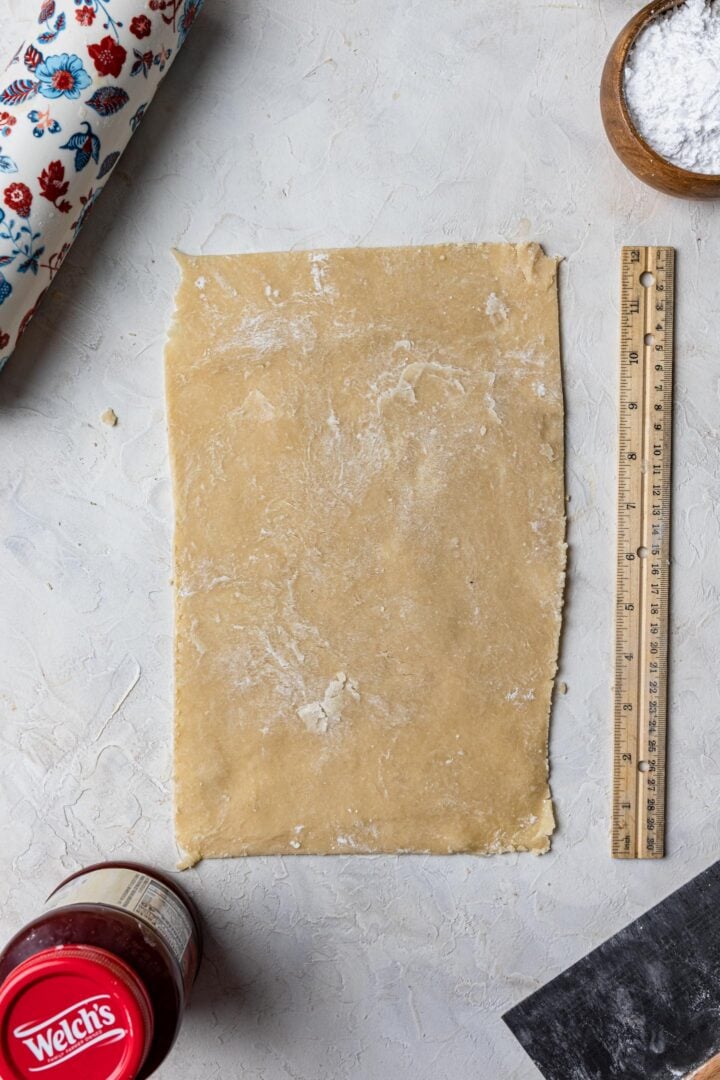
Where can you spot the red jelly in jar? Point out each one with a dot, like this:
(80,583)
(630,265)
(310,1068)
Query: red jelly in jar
(97,985)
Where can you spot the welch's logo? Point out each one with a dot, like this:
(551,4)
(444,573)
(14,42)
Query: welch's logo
(69,1033)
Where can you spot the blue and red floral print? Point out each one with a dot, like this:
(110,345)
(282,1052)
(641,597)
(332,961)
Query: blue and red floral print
(107,56)
(62,76)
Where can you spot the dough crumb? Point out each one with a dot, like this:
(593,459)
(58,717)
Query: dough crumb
(110,418)
(562,688)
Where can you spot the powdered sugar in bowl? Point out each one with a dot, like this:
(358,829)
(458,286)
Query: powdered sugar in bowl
(660,103)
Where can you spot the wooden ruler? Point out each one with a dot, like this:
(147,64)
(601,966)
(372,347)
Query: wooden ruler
(643,552)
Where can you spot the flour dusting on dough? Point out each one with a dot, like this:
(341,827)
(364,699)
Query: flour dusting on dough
(321,716)
(495,308)
(517,695)
(256,407)
(319,269)
(405,384)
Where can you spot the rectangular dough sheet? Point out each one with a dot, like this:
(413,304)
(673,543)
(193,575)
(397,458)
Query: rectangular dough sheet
(367,449)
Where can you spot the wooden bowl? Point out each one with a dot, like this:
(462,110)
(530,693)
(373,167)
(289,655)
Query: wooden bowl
(630,147)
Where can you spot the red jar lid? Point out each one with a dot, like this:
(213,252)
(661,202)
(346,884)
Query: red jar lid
(74,1011)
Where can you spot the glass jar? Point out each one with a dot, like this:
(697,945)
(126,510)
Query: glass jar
(97,985)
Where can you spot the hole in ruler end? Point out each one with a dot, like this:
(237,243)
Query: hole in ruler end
(643,766)
(647,279)
(649,339)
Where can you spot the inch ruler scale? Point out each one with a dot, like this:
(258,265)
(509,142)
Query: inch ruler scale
(643,552)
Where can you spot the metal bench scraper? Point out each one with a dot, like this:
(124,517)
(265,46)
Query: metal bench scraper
(645,1005)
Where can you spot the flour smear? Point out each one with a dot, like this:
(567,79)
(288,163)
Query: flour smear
(672,85)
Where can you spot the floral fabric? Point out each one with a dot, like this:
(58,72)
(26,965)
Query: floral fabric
(69,102)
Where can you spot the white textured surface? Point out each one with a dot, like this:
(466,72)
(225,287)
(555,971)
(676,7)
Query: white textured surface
(317,123)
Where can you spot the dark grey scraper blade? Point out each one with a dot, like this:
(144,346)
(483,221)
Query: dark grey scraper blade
(645,1005)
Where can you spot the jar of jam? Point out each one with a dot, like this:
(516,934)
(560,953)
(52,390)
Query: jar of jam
(97,985)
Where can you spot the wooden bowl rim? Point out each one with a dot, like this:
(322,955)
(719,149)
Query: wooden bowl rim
(631,33)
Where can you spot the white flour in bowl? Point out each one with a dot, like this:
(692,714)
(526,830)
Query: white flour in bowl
(672,85)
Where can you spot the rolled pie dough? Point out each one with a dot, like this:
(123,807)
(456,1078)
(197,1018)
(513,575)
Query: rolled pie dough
(367,448)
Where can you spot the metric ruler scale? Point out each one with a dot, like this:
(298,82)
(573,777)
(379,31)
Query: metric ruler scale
(643,552)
